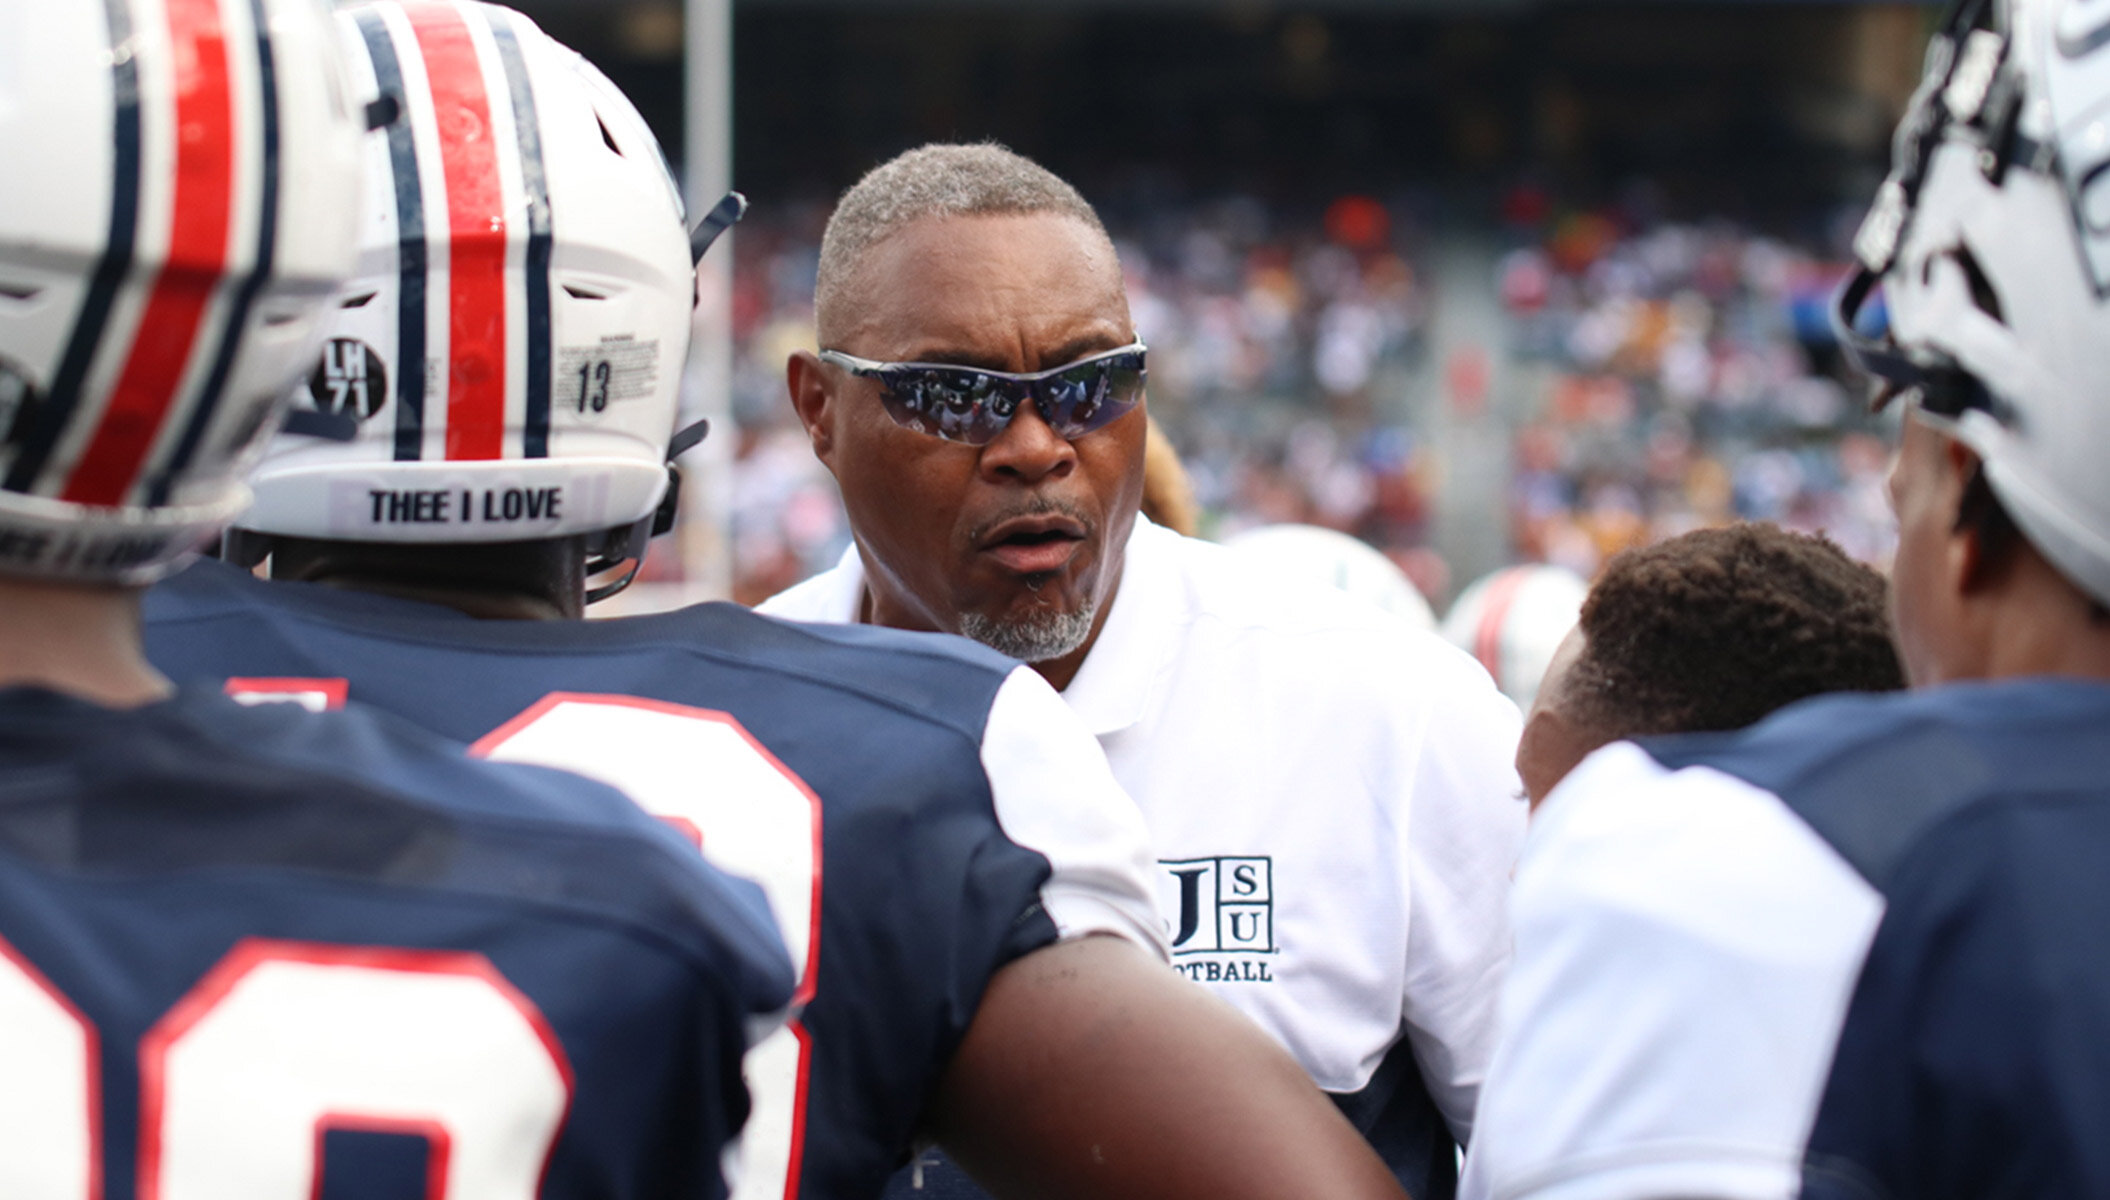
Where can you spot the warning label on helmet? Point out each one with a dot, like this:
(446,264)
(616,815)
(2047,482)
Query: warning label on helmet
(590,378)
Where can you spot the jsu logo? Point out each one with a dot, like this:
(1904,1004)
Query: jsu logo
(1220,905)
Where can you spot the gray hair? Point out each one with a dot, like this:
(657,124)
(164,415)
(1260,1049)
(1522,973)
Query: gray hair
(936,180)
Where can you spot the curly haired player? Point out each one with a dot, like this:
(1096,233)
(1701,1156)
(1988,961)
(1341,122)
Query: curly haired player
(1712,630)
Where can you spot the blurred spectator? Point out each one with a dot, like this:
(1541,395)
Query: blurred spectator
(1688,382)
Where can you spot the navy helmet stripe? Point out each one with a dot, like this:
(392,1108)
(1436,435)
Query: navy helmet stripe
(410,242)
(237,321)
(534,438)
(110,272)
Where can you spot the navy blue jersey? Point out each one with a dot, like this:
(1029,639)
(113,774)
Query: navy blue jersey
(1974,1057)
(257,952)
(751,734)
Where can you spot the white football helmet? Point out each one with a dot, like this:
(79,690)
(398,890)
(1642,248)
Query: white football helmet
(1513,620)
(1337,560)
(1991,242)
(180,206)
(506,365)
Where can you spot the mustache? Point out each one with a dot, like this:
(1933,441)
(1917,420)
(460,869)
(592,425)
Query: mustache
(1039,506)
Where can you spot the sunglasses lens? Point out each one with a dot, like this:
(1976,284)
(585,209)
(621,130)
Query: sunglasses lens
(1094,395)
(959,406)
(964,405)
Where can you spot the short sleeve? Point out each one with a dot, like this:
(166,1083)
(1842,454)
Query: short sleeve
(1055,795)
(1684,951)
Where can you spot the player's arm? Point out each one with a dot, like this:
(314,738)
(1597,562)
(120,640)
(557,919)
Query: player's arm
(1464,830)
(1685,947)
(1092,1069)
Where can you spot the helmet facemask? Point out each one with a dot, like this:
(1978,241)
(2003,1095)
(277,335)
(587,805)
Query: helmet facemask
(1994,263)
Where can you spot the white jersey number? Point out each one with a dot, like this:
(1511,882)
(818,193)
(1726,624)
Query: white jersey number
(701,771)
(280,1043)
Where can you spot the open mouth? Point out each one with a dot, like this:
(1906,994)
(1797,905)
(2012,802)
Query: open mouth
(1034,545)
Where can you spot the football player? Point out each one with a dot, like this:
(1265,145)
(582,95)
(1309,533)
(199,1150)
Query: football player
(1879,926)
(260,953)
(1708,631)
(940,836)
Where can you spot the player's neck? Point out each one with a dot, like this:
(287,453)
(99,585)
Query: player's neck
(2041,625)
(84,641)
(2078,648)
(485,604)
(513,581)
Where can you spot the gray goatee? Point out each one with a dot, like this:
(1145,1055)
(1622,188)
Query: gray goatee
(1035,638)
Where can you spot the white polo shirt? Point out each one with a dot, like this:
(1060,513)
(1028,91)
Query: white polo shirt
(1331,794)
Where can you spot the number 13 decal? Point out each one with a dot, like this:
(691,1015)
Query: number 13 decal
(701,771)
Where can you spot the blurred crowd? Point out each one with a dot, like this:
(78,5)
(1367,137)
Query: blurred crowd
(1661,376)
(1687,375)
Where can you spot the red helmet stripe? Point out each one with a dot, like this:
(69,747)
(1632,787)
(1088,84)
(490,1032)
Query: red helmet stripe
(203,212)
(84,343)
(476,219)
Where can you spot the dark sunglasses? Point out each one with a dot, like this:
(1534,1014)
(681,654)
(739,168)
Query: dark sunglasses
(968,404)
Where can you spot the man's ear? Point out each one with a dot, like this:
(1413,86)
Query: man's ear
(806,377)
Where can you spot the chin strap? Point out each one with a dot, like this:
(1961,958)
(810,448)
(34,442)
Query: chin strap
(688,438)
(723,216)
(626,545)
(623,547)
(244,548)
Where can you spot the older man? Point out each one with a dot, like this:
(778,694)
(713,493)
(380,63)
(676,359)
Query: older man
(1330,791)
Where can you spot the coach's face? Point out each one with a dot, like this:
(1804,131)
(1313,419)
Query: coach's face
(1015,541)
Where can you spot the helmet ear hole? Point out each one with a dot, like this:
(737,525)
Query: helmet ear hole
(382,113)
